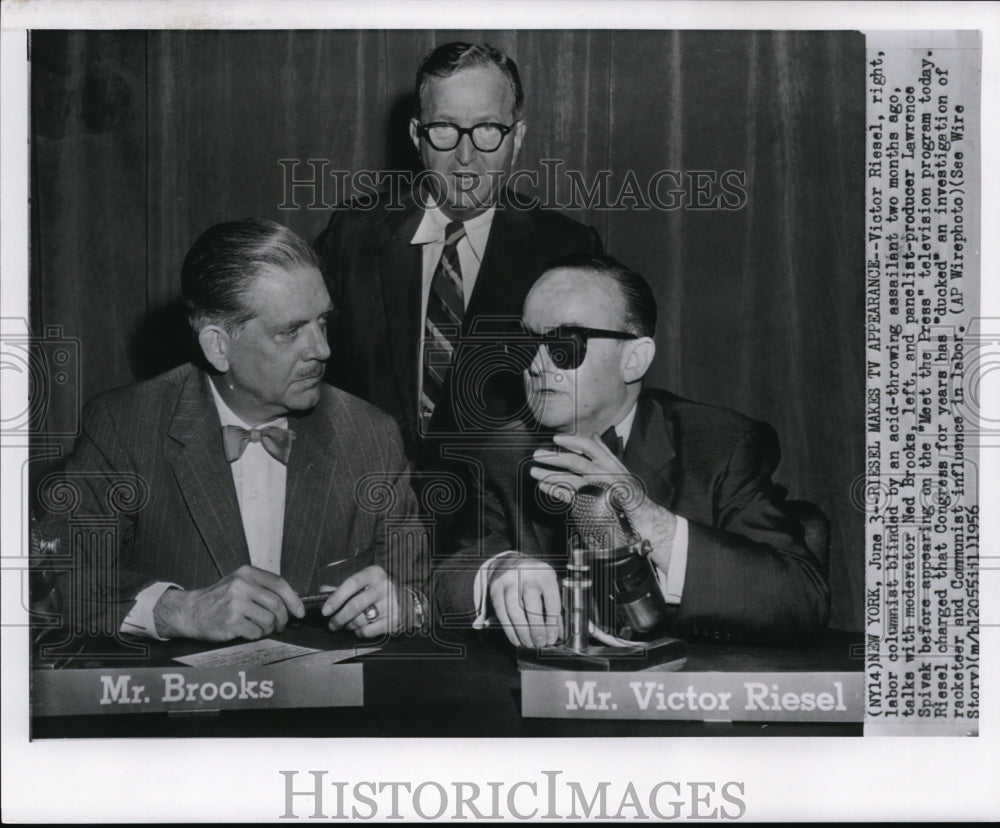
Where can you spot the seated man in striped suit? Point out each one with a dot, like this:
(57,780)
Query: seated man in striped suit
(246,471)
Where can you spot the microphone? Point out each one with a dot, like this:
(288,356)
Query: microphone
(599,522)
(627,596)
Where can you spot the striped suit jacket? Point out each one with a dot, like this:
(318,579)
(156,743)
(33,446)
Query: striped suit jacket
(150,464)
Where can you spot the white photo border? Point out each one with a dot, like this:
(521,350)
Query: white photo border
(238,780)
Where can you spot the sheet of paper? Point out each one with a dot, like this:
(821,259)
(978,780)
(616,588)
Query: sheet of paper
(266,651)
(325,657)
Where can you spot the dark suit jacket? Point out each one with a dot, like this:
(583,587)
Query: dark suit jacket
(374,276)
(750,577)
(162,439)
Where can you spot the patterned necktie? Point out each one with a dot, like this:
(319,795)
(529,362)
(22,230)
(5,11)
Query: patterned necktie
(443,325)
(276,441)
(611,439)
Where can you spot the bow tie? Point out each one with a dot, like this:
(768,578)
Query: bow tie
(276,441)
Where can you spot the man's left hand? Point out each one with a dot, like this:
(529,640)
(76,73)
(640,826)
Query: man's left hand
(367,603)
(584,460)
(587,460)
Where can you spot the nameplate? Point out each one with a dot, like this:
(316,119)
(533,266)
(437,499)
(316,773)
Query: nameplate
(191,689)
(778,697)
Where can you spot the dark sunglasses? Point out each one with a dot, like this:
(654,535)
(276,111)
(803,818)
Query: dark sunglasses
(566,344)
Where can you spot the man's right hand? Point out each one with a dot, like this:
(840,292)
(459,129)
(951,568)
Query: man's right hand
(249,603)
(524,593)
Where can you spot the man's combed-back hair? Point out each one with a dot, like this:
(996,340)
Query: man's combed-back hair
(222,264)
(450,58)
(637,295)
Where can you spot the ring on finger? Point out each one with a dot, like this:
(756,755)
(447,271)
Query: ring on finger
(371,613)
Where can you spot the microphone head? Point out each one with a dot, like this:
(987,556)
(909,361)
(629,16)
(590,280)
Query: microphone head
(599,522)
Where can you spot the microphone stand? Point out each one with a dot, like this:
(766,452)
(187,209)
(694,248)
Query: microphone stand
(585,646)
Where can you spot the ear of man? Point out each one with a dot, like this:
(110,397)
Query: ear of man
(637,356)
(518,137)
(414,137)
(214,341)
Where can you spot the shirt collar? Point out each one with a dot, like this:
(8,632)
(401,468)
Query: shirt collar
(229,417)
(433,223)
(624,428)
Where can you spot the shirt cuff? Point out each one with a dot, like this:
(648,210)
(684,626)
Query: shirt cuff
(480,592)
(140,619)
(672,581)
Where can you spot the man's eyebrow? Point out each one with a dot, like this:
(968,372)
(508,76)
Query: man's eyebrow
(483,119)
(298,323)
(555,325)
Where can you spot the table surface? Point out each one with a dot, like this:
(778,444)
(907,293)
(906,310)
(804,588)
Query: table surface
(454,684)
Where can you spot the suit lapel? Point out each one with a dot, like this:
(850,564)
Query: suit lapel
(312,472)
(204,477)
(400,279)
(650,453)
(547,522)
(508,269)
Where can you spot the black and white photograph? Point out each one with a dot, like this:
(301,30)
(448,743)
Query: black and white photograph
(449,416)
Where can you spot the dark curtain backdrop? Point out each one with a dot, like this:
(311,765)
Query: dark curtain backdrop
(141,140)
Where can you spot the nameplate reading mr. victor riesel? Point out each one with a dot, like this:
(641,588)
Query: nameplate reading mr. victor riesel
(792,697)
(157,689)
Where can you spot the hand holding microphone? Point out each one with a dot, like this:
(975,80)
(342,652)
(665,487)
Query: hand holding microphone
(610,512)
(575,461)
(626,594)
(578,461)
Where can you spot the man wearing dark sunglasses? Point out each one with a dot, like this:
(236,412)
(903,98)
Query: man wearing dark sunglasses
(415,273)
(730,559)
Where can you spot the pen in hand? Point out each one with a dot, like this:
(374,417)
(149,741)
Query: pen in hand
(316,600)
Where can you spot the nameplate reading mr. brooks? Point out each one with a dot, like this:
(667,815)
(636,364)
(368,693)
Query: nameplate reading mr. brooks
(791,697)
(157,689)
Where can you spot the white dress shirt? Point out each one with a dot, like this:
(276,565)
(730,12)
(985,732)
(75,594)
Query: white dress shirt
(260,483)
(671,581)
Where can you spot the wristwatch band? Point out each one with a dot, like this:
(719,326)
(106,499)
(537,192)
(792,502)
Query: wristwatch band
(421,617)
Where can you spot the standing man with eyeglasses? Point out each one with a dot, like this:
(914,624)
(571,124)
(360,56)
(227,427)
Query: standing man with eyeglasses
(424,288)
(731,561)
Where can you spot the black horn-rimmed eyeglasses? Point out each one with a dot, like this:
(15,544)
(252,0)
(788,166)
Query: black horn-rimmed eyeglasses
(445,136)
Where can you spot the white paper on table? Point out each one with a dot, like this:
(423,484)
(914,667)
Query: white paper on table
(250,654)
(323,657)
